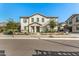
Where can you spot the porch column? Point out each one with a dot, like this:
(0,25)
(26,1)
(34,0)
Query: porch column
(35,28)
(40,29)
(29,29)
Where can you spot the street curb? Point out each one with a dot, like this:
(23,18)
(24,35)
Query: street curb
(41,38)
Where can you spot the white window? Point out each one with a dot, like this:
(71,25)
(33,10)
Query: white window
(37,19)
(32,19)
(24,20)
(42,19)
(77,27)
(77,19)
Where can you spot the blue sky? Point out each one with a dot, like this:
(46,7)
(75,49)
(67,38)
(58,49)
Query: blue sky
(15,10)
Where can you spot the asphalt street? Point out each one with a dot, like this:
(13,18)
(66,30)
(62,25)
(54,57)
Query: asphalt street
(24,47)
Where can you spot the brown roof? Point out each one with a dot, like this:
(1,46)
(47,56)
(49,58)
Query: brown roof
(24,17)
(38,14)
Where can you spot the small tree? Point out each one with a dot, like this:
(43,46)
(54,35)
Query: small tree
(11,25)
(52,24)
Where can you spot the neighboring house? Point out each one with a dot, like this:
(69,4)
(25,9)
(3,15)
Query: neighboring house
(61,26)
(35,23)
(73,22)
(2,24)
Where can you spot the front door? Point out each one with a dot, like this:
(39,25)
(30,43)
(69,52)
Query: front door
(37,28)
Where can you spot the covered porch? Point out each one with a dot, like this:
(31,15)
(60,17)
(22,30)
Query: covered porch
(35,28)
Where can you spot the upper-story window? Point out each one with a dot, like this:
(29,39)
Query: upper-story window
(70,21)
(77,19)
(32,19)
(37,19)
(77,27)
(24,20)
(42,19)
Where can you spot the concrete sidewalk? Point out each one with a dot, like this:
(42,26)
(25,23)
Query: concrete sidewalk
(47,37)
(71,36)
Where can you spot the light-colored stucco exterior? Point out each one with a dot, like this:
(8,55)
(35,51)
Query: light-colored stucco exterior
(35,23)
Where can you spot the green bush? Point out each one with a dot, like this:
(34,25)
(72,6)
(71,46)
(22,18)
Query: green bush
(8,32)
(53,30)
(1,30)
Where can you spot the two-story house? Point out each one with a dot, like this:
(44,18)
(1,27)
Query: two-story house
(73,22)
(35,23)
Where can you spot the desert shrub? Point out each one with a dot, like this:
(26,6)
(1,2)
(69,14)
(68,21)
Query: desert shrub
(8,32)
